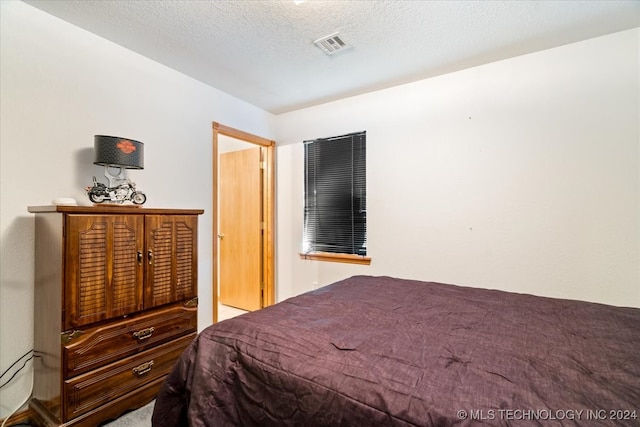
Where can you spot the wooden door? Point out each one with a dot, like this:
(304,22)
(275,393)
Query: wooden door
(170,258)
(104,267)
(240,229)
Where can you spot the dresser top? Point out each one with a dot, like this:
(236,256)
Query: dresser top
(112,209)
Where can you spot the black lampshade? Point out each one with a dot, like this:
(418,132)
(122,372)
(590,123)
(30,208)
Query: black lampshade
(121,152)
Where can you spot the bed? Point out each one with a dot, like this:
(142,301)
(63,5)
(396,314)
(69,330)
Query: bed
(382,351)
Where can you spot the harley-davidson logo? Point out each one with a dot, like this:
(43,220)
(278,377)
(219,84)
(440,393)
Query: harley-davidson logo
(126,146)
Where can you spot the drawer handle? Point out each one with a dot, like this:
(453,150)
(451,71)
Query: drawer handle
(143,369)
(143,334)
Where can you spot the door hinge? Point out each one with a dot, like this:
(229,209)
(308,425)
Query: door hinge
(262,294)
(193,302)
(67,336)
(263,165)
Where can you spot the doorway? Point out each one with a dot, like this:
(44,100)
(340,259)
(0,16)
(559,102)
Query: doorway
(243,226)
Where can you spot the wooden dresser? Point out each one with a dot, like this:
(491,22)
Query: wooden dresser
(115,306)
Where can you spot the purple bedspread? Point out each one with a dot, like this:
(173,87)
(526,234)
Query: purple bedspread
(380,351)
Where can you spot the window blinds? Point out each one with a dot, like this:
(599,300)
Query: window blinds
(335,200)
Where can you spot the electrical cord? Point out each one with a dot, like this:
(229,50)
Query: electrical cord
(15,363)
(24,363)
(31,354)
(4,423)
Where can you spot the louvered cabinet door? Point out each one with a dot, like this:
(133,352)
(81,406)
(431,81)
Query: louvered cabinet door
(104,267)
(171,270)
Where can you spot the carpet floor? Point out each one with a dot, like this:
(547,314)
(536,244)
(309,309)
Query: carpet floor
(138,418)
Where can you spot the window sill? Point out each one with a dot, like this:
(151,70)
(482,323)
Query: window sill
(331,257)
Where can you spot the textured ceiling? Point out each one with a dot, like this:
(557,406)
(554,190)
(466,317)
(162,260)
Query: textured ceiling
(263,51)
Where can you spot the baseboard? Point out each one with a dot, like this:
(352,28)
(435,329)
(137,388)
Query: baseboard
(21,417)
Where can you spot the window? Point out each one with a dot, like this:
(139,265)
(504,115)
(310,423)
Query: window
(335,198)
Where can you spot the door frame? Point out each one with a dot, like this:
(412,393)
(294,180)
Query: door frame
(268,214)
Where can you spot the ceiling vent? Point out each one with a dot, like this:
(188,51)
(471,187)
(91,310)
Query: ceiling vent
(331,44)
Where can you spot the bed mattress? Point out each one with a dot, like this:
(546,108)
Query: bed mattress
(382,351)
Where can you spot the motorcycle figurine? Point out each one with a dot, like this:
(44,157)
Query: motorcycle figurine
(99,193)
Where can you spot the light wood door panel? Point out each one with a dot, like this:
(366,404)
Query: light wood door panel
(240,231)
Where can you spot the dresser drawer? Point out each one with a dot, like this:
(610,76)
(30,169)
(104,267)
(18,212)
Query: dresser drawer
(102,345)
(86,392)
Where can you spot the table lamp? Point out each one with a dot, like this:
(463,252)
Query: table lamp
(121,153)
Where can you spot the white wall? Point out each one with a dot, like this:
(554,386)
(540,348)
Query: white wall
(524,174)
(521,175)
(61,86)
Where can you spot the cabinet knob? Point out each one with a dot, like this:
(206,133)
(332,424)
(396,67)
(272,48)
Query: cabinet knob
(139,257)
(150,256)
